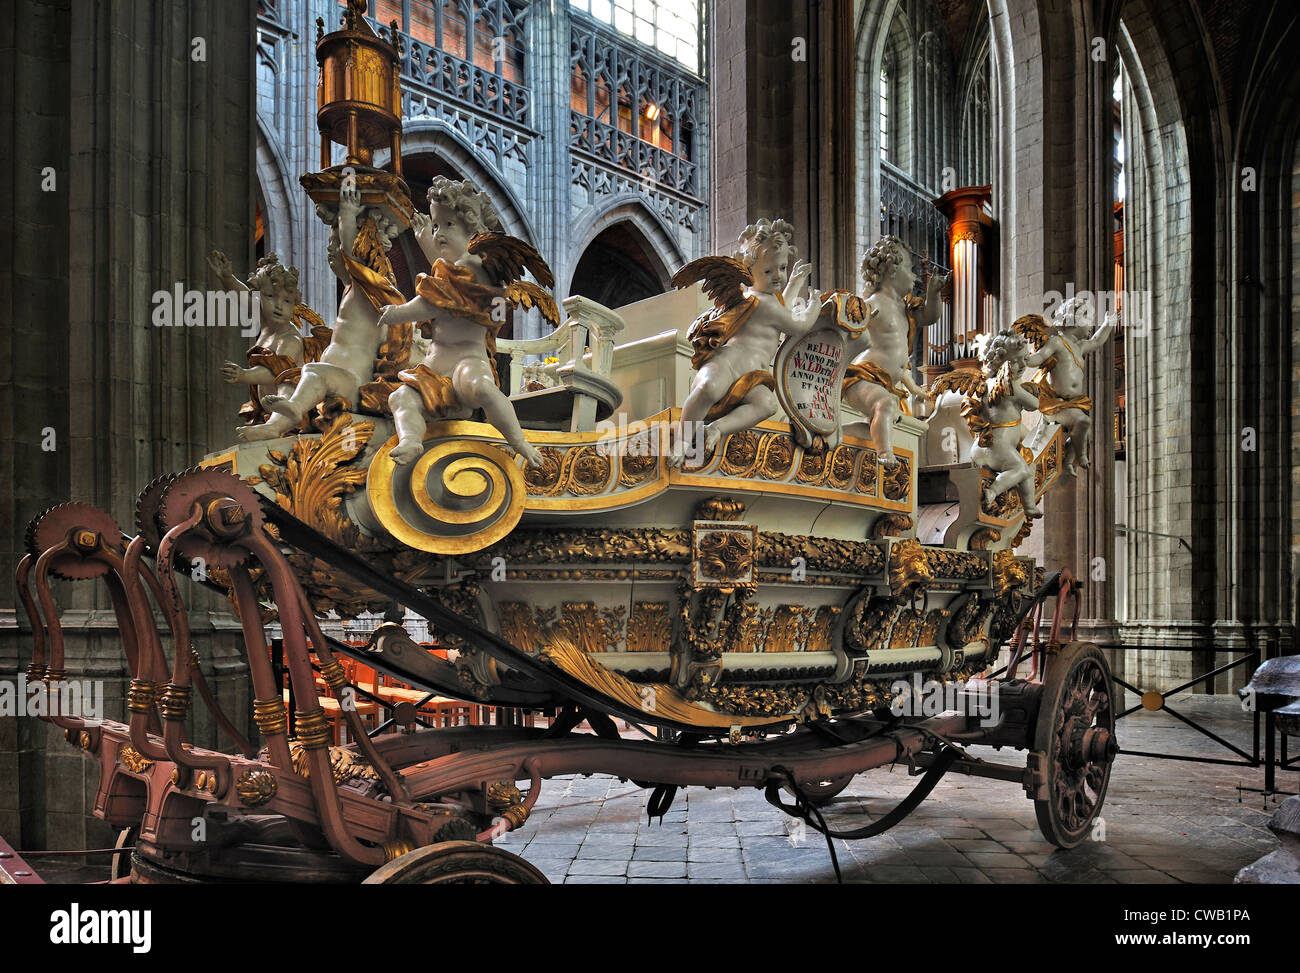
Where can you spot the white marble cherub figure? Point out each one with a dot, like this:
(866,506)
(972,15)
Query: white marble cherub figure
(756,299)
(1060,351)
(280,349)
(359,239)
(881,351)
(475,274)
(994,420)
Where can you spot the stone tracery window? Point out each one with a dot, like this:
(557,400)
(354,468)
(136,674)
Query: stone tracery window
(884,110)
(631,107)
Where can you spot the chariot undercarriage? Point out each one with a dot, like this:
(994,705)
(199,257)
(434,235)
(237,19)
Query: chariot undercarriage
(766,647)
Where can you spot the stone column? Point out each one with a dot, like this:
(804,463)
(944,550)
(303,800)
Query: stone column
(34,355)
(549,172)
(781,87)
(145,111)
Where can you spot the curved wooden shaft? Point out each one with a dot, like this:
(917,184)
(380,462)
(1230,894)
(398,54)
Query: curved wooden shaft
(259,666)
(55,672)
(143,655)
(226,725)
(310,722)
(22,578)
(396,786)
(175,701)
(268,707)
(48,609)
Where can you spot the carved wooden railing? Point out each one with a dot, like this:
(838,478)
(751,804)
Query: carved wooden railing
(589,327)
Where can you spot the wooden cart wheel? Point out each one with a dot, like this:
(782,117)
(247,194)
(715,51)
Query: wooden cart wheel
(457,863)
(822,792)
(1075,735)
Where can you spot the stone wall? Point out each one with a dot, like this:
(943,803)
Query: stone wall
(144,110)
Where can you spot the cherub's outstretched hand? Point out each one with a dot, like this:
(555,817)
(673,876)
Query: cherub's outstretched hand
(349,200)
(388,316)
(798,277)
(422,225)
(220,264)
(231,373)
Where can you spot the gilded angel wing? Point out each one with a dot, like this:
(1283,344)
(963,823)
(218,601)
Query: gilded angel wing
(724,279)
(966,381)
(854,307)
(505,258)
(1033,328)
(528,295)
(302,314)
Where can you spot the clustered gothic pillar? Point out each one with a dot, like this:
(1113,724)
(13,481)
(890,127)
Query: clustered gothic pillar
(781,92)
(132,132)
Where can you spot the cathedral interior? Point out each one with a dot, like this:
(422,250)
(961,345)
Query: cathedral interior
(1142,153)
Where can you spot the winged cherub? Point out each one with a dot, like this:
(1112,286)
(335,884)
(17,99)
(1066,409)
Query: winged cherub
(461,303)
(754,298)
(357,255)
(881,351)
(1059,353)
(280,349)
(993,416)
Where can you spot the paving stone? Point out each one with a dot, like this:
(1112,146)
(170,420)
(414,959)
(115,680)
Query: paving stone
(987,860)
(972,876)
(596,866)
(660,853)
(656,869)
(1014,876)
(716,871)
(898,874)
(713,840)
(695,854)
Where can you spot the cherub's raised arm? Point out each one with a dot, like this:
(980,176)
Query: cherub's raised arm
(798,278)
(423,227)
(221,266)
(349,218)
(929,311)
(1099,336)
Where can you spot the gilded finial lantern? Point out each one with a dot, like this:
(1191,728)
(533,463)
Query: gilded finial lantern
(359,99)
(359,94)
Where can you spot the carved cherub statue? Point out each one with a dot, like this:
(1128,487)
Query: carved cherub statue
(881,352)
(357,255)
(994,420)
(1060,350)
(475,274)
(755,299)
(280,349)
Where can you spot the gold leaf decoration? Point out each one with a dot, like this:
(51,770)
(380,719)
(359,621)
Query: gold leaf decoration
(315,478)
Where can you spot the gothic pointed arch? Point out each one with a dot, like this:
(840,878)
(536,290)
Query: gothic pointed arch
(632,236)
(279,196)
(431,137)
